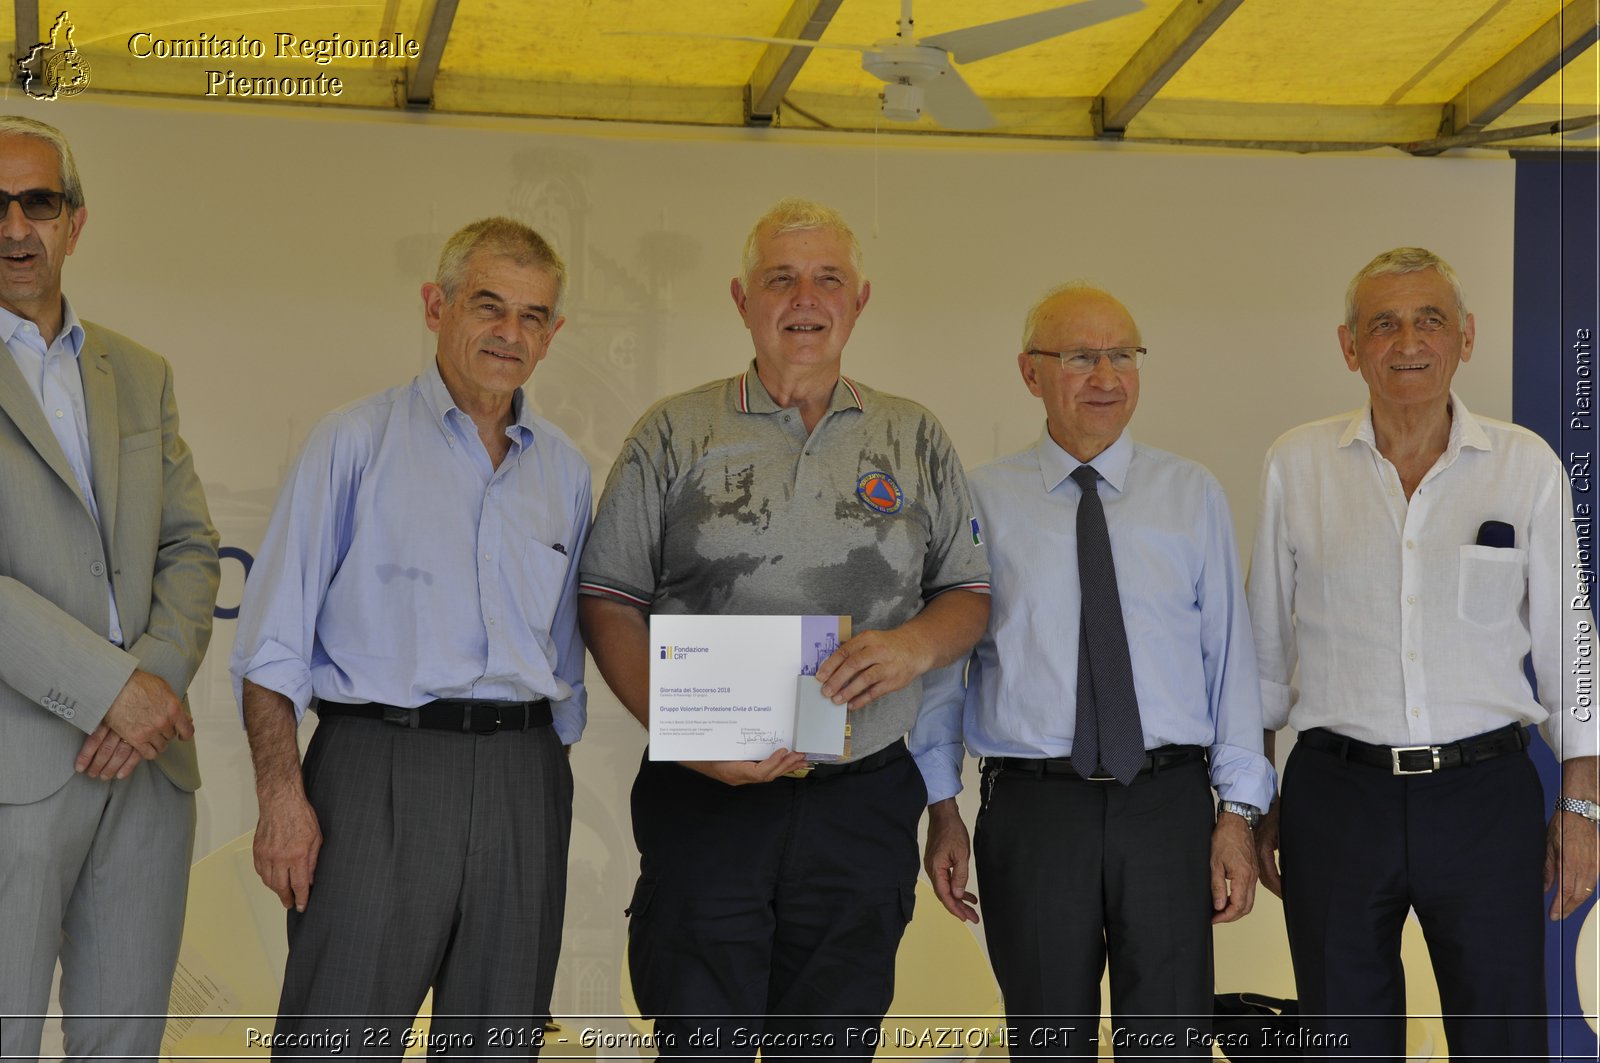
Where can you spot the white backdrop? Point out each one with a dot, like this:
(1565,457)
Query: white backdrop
(275,256)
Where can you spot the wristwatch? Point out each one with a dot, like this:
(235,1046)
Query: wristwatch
(1249,813)
(1587,809)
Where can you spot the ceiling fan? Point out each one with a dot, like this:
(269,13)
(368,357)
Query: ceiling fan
(920,74)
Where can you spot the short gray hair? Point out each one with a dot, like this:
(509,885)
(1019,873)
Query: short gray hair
(1030,324)
(1403,260)
(799,215)
(499,236)
(17,126)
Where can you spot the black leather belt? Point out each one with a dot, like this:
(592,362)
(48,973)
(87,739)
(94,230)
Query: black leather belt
(871,762)
(1419,760)
(464,715)
(1155,761)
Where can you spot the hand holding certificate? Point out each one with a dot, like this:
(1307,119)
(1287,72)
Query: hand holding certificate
(743,687)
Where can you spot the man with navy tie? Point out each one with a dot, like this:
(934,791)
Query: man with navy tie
(1114,688)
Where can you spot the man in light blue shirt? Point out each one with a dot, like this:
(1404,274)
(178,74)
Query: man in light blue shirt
(1076,864)
(418,581)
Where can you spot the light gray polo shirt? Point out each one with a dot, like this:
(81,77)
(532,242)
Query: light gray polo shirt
(720,503)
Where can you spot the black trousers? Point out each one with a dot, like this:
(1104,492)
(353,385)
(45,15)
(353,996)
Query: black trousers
(768,916)
(1072,872)
(443,865)
(1464,847)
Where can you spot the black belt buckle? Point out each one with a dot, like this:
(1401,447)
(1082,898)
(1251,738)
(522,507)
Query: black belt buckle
(400,717)
(483,718)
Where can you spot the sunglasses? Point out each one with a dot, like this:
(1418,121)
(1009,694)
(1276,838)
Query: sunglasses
(37,203)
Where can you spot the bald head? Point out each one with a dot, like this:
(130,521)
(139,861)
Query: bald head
(1086,411)
(1068,300)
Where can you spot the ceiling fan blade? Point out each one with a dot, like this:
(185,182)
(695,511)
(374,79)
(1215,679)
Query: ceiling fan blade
(992,38)
(951,102)
(1586,130)
(794,42)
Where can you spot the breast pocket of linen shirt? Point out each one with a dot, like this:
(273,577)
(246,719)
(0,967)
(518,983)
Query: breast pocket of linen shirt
(1491,585)
(544,570)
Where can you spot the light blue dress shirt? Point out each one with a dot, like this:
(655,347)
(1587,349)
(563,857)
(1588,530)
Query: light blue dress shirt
(401,567)
(53,375)
(1183,604)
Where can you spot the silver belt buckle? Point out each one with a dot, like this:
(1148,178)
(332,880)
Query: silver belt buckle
(1394,757)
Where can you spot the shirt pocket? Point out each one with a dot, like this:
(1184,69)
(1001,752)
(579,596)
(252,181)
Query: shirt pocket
(544,571)
(1491,585)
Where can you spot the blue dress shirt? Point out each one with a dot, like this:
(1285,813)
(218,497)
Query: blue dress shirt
(54,376)
(402,567)
(1182,592)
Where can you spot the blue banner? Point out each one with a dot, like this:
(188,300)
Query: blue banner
(1557,317)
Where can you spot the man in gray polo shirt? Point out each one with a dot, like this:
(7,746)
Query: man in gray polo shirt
(770,903)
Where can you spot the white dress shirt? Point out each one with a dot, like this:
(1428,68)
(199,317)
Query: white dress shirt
(1405,630)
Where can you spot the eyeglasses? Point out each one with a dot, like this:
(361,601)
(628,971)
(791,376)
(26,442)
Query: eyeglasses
(37,203)
(1085,359)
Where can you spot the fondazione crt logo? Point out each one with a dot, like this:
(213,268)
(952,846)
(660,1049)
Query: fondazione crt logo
(679,653)
(54,69)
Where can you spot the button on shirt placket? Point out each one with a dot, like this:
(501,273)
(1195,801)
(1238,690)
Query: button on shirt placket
(1413,674)
(492,542)
(793,428)
(1412,517)
(809,476)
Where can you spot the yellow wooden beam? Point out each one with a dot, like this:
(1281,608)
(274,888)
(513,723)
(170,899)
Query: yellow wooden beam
(1189,26)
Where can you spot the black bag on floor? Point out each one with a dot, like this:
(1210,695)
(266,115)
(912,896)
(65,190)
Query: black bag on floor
(1253,1026)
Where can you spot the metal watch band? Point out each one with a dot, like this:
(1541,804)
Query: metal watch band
(1249,813)
(1587,809)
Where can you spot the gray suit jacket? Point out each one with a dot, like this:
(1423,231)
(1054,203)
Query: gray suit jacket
(58,674)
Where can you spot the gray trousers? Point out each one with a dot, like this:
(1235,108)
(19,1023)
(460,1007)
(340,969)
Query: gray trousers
(97,874)
(443,865)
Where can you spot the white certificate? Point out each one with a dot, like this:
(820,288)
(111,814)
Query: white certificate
(724,687)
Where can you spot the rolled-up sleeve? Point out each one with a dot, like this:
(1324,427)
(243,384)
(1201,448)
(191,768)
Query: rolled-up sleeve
(304,543)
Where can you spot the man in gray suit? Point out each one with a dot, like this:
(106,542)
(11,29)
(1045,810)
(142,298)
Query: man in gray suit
(108,576)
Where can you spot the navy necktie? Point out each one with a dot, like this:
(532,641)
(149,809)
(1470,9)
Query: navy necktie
(1108,733)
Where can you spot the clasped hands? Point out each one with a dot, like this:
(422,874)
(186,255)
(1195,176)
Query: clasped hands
(145,716)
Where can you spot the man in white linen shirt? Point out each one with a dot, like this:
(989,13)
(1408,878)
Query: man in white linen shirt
(1409,557)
